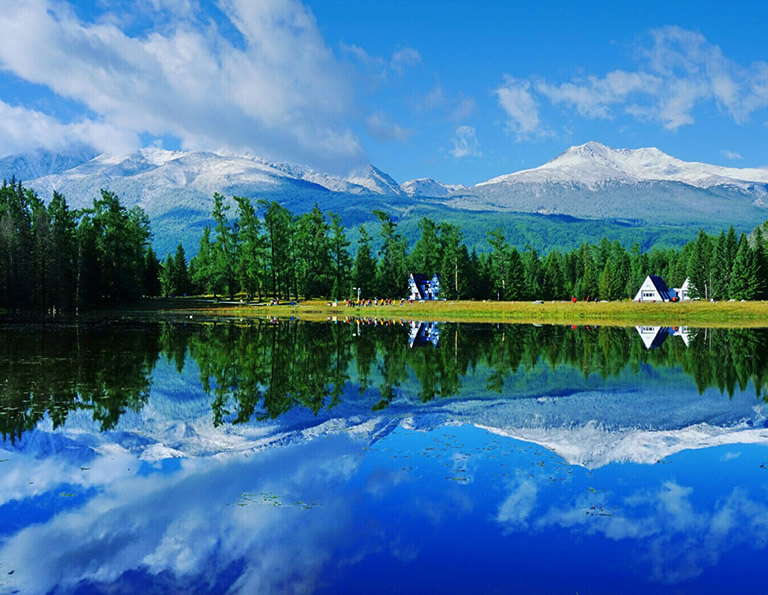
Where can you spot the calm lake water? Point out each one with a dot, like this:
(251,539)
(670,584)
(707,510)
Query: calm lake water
(360,456)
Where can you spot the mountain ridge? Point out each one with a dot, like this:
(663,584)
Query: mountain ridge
(644,188)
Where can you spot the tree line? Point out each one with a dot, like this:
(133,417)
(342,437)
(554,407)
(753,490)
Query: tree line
(53,258)
(265,250)
(56,259)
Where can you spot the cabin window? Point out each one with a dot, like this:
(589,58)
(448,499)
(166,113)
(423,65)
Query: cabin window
(649,294)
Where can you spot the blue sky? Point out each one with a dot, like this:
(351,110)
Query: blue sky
(456,91)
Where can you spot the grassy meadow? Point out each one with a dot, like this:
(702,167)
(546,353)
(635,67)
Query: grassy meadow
(623,313)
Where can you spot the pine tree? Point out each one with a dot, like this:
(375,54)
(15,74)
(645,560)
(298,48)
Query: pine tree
(533,273)
(605,282)
(588,285)
(251,265)
(553,284)
(151,284)
(365,265)
(180,274)
(392,274)
(500,266)
(698,266)
(278,224)
(201,266)
(312,254)
(341,261)
(224,249)
(745,280)
(516,287)
(167,277)
(454,282)
(426,255)
(721,269)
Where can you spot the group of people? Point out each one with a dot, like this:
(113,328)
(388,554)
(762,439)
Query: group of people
(373,302)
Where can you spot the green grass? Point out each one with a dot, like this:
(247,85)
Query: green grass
(699,313)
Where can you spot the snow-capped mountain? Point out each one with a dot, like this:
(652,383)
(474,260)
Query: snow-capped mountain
(376,181)
(593,181)
(430,188)
(35,164)
(593,163)
(619,187)
(211,172)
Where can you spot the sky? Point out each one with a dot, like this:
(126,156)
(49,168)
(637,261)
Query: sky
(456,91)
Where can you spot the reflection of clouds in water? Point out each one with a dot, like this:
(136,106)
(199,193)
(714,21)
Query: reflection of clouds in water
(678,538)
(27,476)
(189,524)
(516,509)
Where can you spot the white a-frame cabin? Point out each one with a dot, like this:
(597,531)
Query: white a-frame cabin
(654,289)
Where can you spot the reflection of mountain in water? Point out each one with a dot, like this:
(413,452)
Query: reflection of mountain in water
(593,396)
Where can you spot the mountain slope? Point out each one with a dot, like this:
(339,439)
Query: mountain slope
(593,163)
(652,193)
(35,164)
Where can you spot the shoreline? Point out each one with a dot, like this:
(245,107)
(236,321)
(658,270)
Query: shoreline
(625,313)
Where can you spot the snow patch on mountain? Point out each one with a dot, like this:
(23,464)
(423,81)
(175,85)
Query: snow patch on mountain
(430,188)
(593,164)
(156,169)
(38,163)
(376,181)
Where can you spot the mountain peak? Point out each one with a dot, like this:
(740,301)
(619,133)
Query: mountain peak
(375,180)
(593,164)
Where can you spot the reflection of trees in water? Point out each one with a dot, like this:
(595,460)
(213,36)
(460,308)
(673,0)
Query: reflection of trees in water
(268,368)
(54,370)
(263,369)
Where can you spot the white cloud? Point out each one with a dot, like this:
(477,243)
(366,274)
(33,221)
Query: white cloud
(23,129)
(465,143)
(522,110)
(592,97)
(732,155)
(404,58)
(279,91)
(383,129)
(678,71)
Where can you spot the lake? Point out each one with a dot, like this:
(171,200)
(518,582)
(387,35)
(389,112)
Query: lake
(362,455)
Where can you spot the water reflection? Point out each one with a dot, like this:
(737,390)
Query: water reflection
(423,334)
(262,370)
(654,336)
(342,512)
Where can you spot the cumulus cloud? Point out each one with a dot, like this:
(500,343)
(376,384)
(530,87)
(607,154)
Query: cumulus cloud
(522,110)
(23,129)
(383,129)
(677,71)
(732,155)
(277,89)
(465,143)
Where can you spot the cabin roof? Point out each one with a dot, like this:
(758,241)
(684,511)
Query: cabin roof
(660,286)
(419,278)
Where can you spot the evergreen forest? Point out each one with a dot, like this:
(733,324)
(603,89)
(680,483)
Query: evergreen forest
(55,259)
